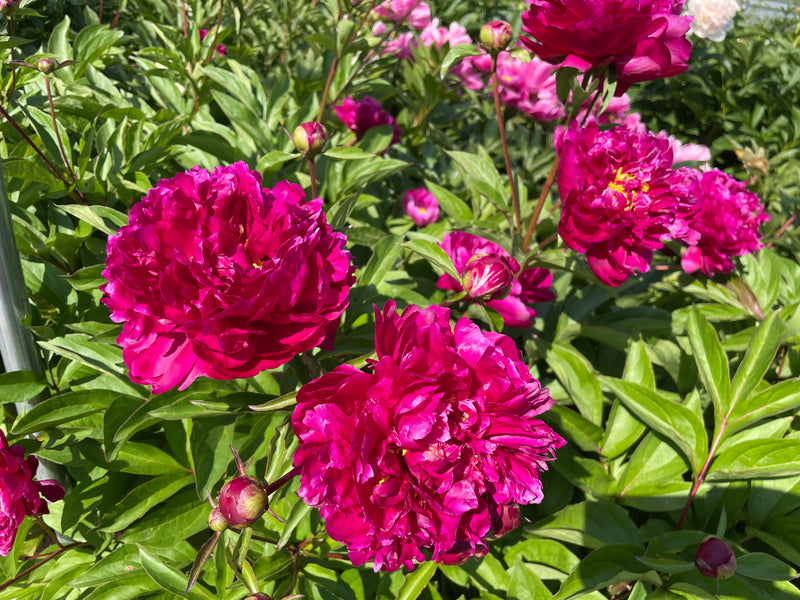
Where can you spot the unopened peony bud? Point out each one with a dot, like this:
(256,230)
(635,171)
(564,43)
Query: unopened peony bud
(310,137)
(487,277)
(495,35)
(216,520)
(46,65)
(242,501)
(715,558)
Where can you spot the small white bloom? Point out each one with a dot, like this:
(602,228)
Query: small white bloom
(712,18)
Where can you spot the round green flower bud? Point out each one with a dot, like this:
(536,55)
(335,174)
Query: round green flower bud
(310,137)
(495,35)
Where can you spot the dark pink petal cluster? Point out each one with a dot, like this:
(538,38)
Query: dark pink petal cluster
(728,223)
(215,275)
(421,206)
(621,198)
(362,115)
(421,457)
(642,39)
(221,50)
(20,495)
(527,287)
(416,12)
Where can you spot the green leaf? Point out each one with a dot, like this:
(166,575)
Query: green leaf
(21,386)
(348,153)
(760,354)
(591,524)
(434,254)
(673,421)
(89,215)
(622,428)
(712,364)
(666,565)
(299,512)
(757,459)
(774,400)
(141,499)
(201,558)
(210,442)
(759,565)
(62,409)
(450,203)
(169,578)
(605,566)
(575,374)
(523,584)
(456,54)
(416,581)
(273,159)
(479,168)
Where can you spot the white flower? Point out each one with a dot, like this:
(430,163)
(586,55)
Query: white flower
(712,18)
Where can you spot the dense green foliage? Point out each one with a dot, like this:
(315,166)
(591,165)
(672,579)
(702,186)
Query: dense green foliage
(667,386)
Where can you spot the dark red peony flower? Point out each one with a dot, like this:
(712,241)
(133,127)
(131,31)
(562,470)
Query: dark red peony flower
(20,495)
(621,198)
(215,275)
(527,287)
(421,457)
(728,223)
(642,39)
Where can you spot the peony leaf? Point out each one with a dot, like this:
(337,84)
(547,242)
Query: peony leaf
(456,54)
(450,203)
(141,499)
(62,409)
(605,566)
(712,364)
(773,400)
(575,374)
(673,421)
(523,584)
(434,254)
(590,524)
(757,459)
(210,443)
(759,565)
(21,386)
(416,581)
(169,578)
(200,559)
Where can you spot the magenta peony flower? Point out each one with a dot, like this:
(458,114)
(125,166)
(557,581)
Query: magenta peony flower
(621,199)
(20,495)
(362,115)
(416,12)
(643,39)
(528,286)
(421,206)
(215,275)
(221,50)
(728,223)
(419,458)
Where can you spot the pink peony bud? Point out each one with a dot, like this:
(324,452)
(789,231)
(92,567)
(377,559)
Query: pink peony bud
(715,558)
(310,137)
(216,520)
(495,35)
(46,65)
(487,277)
(242,501)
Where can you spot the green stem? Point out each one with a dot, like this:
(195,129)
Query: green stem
(313,175)
(55,127)
(501,127)
(32,568)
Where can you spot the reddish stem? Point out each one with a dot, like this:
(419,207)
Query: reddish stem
(540,203)
(501,126)
(281,481)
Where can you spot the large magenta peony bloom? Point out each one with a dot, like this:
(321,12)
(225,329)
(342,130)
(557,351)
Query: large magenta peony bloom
(643,39)
(528,286)
(362,115)
(20,495)
(215,275)
(728,223)
(419,458)
(621,198)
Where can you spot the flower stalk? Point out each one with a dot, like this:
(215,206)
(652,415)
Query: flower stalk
(501,127)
